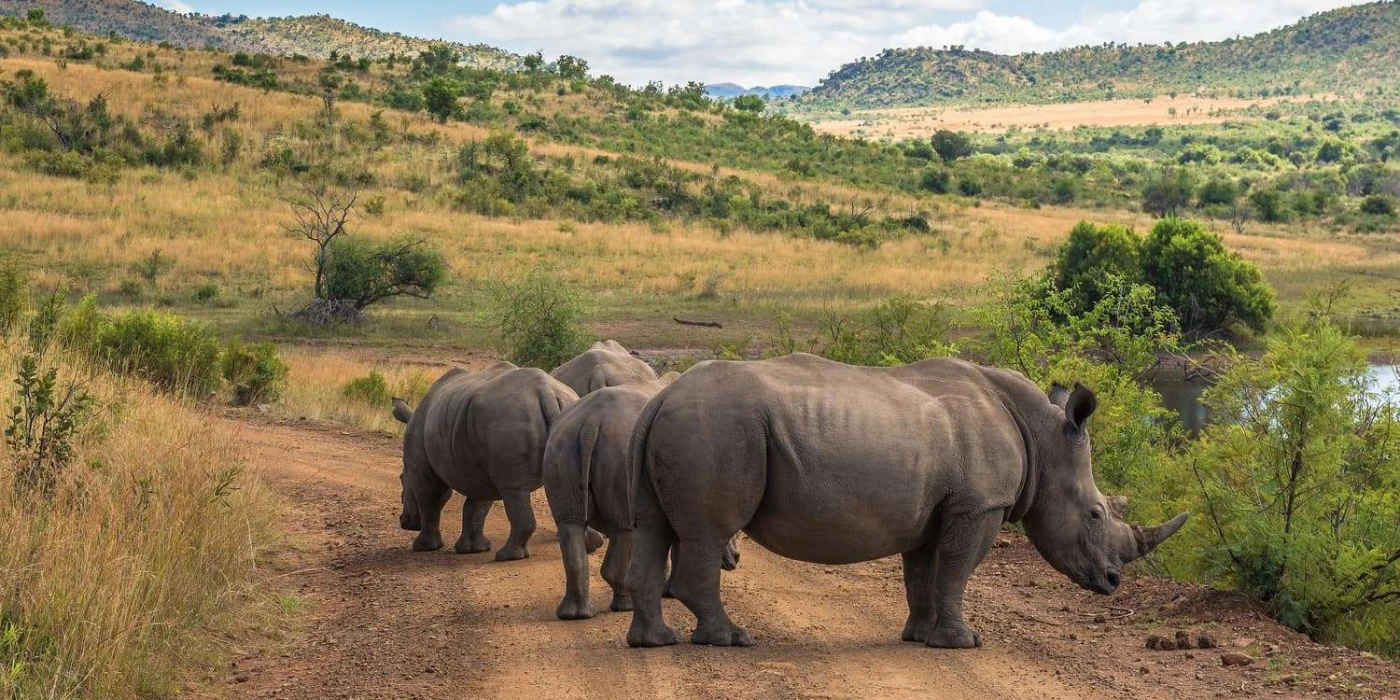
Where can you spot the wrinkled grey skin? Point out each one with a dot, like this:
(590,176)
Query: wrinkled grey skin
(828,463)
(481,434)
(601,366)
(586,481)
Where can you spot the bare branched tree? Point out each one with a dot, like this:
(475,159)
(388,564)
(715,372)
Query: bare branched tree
(320,215)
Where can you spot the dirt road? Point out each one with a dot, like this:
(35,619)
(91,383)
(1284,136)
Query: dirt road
(384,622)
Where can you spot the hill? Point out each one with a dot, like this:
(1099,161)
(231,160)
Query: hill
(1352,49)
(729,91)
(316,36)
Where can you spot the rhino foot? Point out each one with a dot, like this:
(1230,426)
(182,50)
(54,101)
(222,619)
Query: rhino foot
(726,636)
(953,638)
(430,543)
(621,602)
(512,553)
(468,545)
(650,636)
(593,541)
(572,609)
(917,630)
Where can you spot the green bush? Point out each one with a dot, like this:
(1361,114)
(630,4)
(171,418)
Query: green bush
(1299,488)
(1209,287)
(1094,259)
(1169,194)
(175,354)
(540,319)
(14,294)
(899,331)
(1378,205)
(255,373)
(364,272)
(371,389)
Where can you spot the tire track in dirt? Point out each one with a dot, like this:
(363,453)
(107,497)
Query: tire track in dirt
(386,622)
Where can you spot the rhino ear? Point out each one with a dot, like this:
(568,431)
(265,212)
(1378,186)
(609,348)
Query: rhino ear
(1080,406)
(1059,395)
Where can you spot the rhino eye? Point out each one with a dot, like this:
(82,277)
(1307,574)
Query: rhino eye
(1095,514)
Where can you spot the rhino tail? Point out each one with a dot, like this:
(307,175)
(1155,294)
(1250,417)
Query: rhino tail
(401,411)
(588,442)
(642,495)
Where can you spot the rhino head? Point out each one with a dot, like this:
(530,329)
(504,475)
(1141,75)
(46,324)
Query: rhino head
(1078,530)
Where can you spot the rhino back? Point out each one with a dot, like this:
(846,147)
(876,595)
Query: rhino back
(602,367)
(593,435)
(854,463)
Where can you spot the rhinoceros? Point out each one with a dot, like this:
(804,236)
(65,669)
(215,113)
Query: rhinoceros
(605,364)
(829,463)
(588,487)
(481,434)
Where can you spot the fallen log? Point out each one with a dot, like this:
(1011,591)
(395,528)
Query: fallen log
(702,324)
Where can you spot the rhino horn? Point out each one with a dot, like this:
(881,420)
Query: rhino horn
(1147,538)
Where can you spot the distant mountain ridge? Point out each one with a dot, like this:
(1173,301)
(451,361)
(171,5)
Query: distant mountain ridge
(314,35)
(1349,49)
(729,91)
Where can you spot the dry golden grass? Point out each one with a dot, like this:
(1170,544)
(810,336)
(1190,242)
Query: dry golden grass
(317,379)
(116,586)
(907,122)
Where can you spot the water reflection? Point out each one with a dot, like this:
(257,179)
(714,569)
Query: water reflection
(1183,396)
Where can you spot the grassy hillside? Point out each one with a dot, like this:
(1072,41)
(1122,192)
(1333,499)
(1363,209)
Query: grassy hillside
(1352,49)
(316,35)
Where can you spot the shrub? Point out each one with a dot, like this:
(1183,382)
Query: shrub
(255,373)
(1300,488)
(1218,192)
(43,422)
(1209,287)
(363,272)
(1378,205)
(371,389)
(174,354)
(951,145)
(936,180)
(1169,194)
(899,331)
(14,294)
(1095,258)
(152,267)
(540,319)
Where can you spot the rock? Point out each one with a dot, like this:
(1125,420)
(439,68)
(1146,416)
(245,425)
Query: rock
(1154,642)
(1168,645)
(240,678)
(1100,619)
(264,409)
(1183,640)
(1143,670)
(1236,658)
(1205,641)
(1270,650)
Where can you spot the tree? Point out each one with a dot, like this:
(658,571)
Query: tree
(534,61)
(1169,194)
(572,68)
(1095,258)
(1378,205)
(360,273)
(320,216)
(749,103)
(951,145)
(440,97)
(1209,287)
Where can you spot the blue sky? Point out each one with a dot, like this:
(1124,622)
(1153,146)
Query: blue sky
(785,41)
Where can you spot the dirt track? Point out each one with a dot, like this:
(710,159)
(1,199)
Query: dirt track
(385,622)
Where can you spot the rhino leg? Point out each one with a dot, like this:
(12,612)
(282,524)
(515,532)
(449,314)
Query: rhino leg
(473,537)
(522,525)
(573,547)
(615,564)
(919,566)
(595,540)
(962,544)
(646,576)
(430,504)
(696,583)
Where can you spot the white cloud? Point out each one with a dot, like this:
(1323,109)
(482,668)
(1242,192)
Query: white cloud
(176,6)
(771,42)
